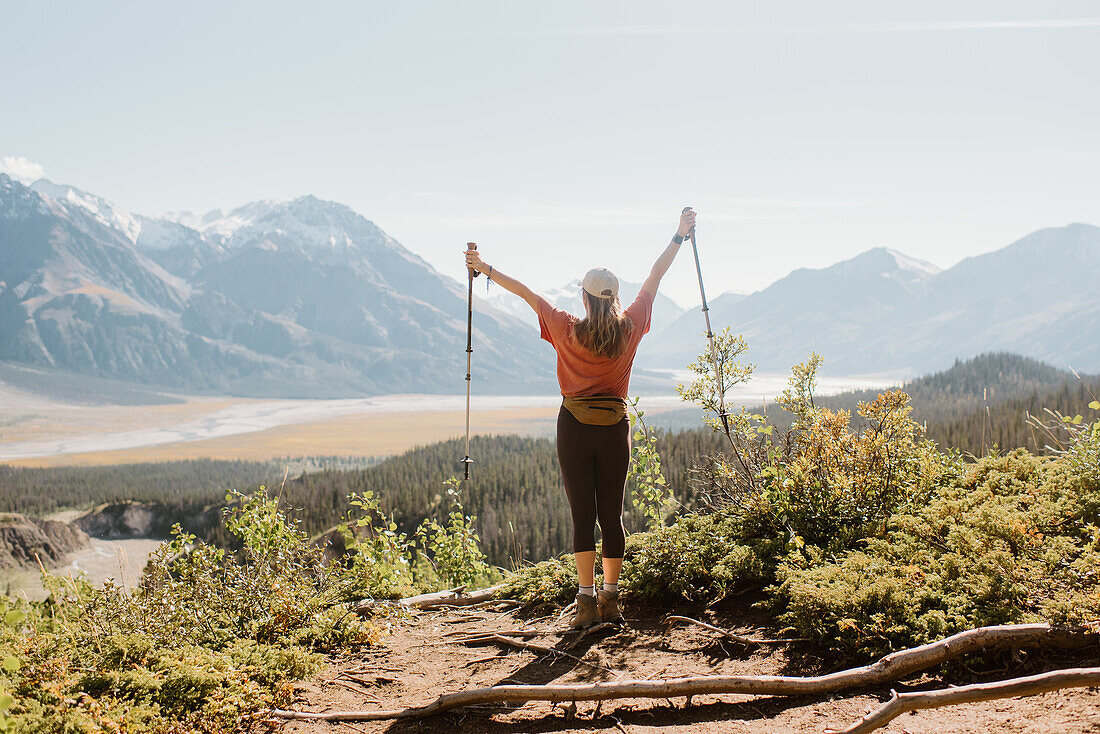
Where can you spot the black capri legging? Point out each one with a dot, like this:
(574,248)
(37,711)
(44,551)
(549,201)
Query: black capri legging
(594,461)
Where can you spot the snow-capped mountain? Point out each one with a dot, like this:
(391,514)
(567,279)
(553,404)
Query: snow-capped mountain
(103,211)
(305,222)
(301,297)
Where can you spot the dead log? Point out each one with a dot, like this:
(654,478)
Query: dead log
(889,668)
(456,597)
(1028,686)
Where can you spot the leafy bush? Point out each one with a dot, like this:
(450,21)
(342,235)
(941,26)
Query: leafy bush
(206,639)
(700,557)
(825,482)
(385,563)
(381,566)
(649,491)
(544,585)
(454,549)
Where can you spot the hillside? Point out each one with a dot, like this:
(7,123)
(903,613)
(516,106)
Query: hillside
(862,548)
(984,402)
(826,551)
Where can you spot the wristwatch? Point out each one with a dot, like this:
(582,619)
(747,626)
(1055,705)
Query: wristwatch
(678,239)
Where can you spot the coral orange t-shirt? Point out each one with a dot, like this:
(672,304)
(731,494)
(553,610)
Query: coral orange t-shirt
(581,373)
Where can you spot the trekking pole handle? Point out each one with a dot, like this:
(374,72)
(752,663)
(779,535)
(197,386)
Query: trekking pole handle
(472,246)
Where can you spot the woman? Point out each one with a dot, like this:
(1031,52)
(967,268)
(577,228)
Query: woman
(595,356)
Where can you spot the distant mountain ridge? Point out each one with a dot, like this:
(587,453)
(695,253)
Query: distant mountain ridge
(293,298)
(882,311)
(306,297)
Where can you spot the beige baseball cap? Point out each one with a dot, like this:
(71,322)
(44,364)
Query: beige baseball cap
(601,283)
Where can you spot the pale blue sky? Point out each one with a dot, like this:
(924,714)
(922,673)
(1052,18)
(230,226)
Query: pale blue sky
(568,134)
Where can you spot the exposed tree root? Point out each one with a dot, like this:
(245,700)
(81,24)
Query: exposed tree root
(740,639)
(1027,686)
(890,668)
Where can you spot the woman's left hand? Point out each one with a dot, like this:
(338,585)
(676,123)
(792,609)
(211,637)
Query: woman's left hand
(473,260)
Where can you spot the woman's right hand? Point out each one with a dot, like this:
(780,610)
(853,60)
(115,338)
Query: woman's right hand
(473,260)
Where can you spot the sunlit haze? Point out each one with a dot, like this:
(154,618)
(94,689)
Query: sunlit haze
(565,135)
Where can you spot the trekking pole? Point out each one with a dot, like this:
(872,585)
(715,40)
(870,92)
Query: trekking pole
(469,351)
(710,334)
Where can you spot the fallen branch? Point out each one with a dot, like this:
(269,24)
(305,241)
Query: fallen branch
(741,639)
(1028,686)
(601,627)
(357,688)
(535,647)
(456,597)
(496,604)
(890,668)
(468,636)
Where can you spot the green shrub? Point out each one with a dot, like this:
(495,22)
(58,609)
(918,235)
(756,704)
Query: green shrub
(454,549)
(698,558)
(649,490)
(381,564)
(1014,539)
(206,639)
(386,563)
(828,481)
(543,586)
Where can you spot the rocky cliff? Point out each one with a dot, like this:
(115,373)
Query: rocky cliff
(24,541)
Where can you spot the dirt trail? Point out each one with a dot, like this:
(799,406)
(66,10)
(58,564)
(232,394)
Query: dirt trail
(424,657)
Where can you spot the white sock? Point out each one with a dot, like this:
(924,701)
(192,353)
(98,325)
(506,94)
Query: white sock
(587,590)
(614,588)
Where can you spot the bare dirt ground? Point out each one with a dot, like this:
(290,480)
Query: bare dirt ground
(424,657)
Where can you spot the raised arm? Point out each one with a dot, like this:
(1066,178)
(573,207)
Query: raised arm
(508,283)
(687,221)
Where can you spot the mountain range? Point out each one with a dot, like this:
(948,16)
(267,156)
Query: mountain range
(308,298)
(885,312)
(288,298)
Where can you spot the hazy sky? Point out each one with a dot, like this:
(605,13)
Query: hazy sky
(562,135)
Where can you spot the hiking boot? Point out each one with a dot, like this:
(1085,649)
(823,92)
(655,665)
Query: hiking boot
(587,614)
(607,602)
